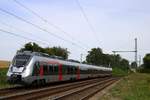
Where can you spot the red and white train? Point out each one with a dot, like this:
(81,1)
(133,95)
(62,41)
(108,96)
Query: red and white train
(38,68)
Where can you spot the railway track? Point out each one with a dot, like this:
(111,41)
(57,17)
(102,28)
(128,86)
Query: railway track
(17,89)
(86,92)
(56,92)
(6,91)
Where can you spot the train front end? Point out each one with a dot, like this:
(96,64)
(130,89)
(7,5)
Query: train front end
(17,71)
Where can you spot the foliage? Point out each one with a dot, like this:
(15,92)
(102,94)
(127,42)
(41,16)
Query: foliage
(97,57)
(3,82)
(117,71)
(133,64)
(145,67)
(146,61)
(142,69)
(55,51)
(124,63)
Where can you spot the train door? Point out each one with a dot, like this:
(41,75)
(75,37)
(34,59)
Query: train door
(60,72)
(73,72)
(36,69)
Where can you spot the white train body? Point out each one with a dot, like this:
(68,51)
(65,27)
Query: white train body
(33,67)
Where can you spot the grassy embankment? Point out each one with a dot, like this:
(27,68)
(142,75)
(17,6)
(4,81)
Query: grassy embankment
(120,72)
(3,70)
(136,86)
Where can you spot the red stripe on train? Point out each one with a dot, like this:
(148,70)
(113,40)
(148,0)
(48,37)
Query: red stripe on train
(78,73)
(41,70)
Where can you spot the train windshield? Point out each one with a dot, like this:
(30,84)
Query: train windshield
(21,60)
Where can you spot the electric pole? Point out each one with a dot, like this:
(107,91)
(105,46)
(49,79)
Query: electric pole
(139,60)
(136,52)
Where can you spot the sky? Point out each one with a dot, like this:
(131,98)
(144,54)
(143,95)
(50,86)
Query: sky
(115,24)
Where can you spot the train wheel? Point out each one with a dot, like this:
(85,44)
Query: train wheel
(35,83)
(43,82)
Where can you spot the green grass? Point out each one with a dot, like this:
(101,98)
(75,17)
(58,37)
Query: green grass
(120,72)
(133,87)
(3,82)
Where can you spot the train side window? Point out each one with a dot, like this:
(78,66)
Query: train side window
(64,69)
(71,69)
(51,69)
(68,69)
(82,71)
(55,69)
(76,69)
(45,69)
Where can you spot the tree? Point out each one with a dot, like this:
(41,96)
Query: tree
(95,56)
(146,61)
(55,51)
(133,64)
(32,47)
(117,60)
(124,64)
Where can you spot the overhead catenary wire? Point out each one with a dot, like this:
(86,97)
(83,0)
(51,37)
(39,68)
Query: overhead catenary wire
(21,36)
(40,28)
(88,21)
(48,22)
(10,26)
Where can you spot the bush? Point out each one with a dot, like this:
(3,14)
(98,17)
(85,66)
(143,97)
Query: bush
(143,70)
(3,82)
(120,72)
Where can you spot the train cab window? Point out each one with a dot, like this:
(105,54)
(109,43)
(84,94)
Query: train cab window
(21,60)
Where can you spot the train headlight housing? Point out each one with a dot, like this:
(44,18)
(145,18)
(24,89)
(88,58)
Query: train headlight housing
(24,69)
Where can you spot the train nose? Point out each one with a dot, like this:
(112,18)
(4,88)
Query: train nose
(17,69)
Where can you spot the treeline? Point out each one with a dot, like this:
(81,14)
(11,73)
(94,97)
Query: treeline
(97,57)
(145,67)
(54,51)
